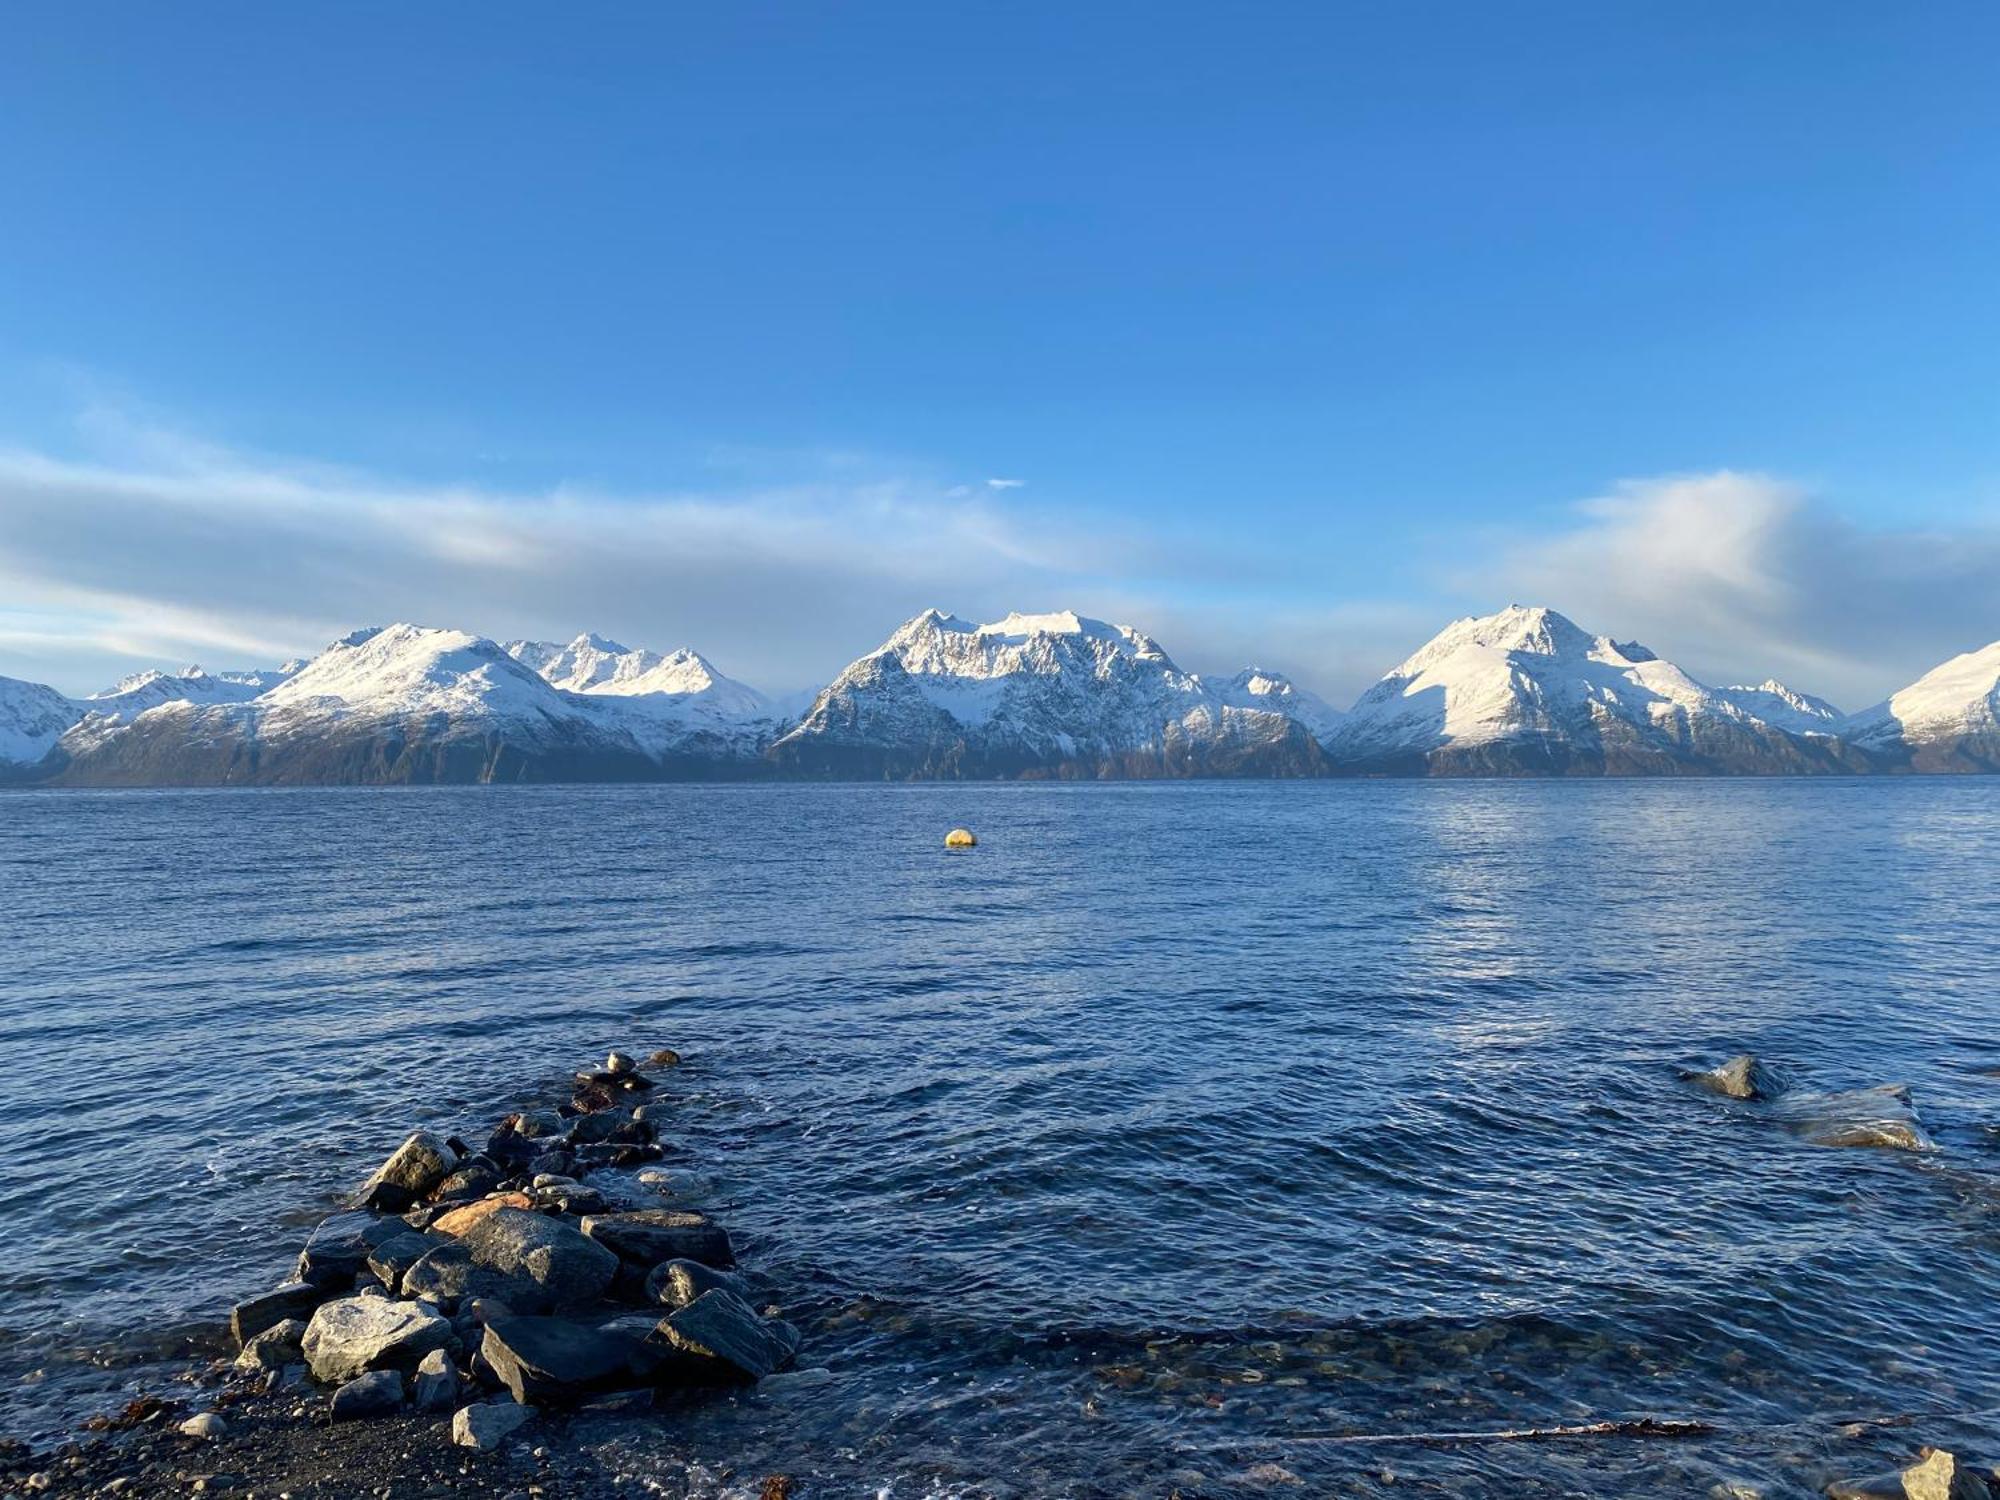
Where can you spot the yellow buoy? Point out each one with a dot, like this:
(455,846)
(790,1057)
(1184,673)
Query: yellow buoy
(959,838)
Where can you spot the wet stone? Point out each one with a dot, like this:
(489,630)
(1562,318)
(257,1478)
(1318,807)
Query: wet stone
(1742,1077)
(676,1283)
(559,1361)
(648,1236)
(412,1170)
(252,1316)
(722,1335)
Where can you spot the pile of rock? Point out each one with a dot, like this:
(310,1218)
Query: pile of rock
(487,1283)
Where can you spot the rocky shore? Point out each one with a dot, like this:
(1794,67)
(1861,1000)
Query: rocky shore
(478,1320)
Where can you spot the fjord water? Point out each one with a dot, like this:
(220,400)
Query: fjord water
(1173,1131)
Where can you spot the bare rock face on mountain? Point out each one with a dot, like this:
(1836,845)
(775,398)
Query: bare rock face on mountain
(1526,692)
(1947,720)
(1054,695)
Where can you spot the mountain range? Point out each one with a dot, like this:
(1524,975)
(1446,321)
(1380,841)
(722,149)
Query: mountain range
(1524,692)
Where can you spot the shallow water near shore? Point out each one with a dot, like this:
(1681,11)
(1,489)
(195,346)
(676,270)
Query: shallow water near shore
(1175,1130)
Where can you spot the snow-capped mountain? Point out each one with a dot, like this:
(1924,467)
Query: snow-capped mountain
(1947,720)
(1254,687)
(676,703)
(1034,695)
(399,703)
(1788,708)
(411,703)
(1526,691)
(1521,692)
(144,690)
(33,719)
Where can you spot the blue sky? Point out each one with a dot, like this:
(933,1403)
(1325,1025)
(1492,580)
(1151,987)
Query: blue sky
(1301,327)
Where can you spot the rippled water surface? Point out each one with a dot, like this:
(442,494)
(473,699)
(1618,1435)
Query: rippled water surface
(1176,1130)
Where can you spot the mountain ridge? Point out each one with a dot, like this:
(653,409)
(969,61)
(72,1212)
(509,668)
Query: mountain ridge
(1524,691)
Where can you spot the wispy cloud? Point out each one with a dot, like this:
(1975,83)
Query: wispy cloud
(173,549)
(1005,484)
(1742,575)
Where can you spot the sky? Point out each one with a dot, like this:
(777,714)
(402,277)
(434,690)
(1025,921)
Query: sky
(1285,333)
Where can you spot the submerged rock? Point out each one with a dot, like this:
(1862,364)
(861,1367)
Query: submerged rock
(353,1335)
(666,1057)
(1742,1077)
(254,1315)
(412,1170)
(1936,1475)
(569,1268)
(558,1361)
(1882,1117)
(486,1424)
(676,1283)
(374,1394)
(720,1336)
(648,1236)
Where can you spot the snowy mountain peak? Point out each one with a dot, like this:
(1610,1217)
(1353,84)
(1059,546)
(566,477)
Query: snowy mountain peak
(595,665)
(1273,692)
(1787,707)
(414,669)
(1527,689)
(1948,719)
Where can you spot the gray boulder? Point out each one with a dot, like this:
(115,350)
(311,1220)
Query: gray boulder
(647,1236)
(277,1346)
(1742,1077)
(448,1275)
(436,1387)
(570,1269)
(295,1299)
(354,1335)
(485,1425)
(719,1337)
(337,1250)
(475,1179)
(374,1394)
(394,1256)
(558,1361)
(676,1283)
(412,1170)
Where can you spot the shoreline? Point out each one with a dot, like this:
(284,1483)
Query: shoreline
(478,1320)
